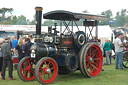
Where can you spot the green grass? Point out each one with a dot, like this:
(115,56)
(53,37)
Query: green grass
(110,76)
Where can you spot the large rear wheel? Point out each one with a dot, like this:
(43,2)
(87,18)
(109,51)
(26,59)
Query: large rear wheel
(26,69)
(91,60)
(46,70)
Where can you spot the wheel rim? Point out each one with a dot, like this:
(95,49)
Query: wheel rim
(27,70)
(93,60)
(125,59)
(47,71)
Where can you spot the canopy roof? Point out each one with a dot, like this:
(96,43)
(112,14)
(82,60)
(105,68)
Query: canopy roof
(66,15)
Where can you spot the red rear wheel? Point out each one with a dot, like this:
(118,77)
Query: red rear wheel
(46,70)
(91,60)
(26,69)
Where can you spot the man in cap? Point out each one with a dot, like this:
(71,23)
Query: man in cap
(118,51)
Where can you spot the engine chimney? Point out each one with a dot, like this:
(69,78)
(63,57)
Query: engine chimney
(38,20)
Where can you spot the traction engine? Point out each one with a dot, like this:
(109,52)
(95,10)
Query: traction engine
(58,53)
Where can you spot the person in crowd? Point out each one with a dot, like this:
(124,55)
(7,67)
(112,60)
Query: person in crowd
(30,37)
(26,48)
(19,47)
(112,48)
(107,47)
(118,51)
(1,56)
(23,38)
(124,40)
(14,42)
(7,60)
(9,37)
(101,47)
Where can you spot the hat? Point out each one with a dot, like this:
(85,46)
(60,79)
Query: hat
(119,34)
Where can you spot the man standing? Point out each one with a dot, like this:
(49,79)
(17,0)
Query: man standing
(118,51)
(26,48)
(7,59)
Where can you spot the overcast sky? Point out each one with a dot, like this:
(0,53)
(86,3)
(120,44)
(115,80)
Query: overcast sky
(26,7)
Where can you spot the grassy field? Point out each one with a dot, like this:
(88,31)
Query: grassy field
(110,76)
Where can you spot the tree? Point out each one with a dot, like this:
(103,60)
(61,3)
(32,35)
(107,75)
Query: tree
(121,18)
(108,14)
(21,20)
(3,11)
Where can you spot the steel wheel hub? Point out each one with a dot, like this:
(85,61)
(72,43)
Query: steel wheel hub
(90,59)
(48,71)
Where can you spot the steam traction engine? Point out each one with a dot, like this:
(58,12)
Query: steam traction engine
(61,52)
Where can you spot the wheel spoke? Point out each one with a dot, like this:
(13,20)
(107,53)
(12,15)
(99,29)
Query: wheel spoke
(94,63)
(24,64)
(52,68)
(43,76)
(48,64)
(41,73)
(93,55)
(90,68)
(94,66)
(87,65)
(96,58)
(126,63)
(25,74)
(48,76)
(93,51)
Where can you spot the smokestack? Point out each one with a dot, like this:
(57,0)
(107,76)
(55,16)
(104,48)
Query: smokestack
(38,20)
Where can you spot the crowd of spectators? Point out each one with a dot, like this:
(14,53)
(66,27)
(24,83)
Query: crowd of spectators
(20,47)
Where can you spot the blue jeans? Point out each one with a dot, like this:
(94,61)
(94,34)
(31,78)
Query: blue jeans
(119,59)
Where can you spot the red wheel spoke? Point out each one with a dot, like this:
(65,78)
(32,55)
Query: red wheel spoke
(52,68)
(48,64)
(45,63)
(93,51)
(41,73)
(51,73)
(87,65)
(94,63)
(93,55)
(96,58)
(43,76)
(25,73)
(48,76)
(90,68)
(24,64)
(94,66)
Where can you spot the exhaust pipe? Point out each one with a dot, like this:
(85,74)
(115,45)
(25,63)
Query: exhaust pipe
(38,20)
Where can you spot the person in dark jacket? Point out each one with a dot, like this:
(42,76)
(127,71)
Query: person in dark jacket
(7,60)
(26,48)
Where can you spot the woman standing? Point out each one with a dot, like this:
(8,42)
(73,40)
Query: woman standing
(1,57)
(107,47)
(19,47)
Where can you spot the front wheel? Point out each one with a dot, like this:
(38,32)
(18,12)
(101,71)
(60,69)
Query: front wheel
(46,70)
(26,69)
